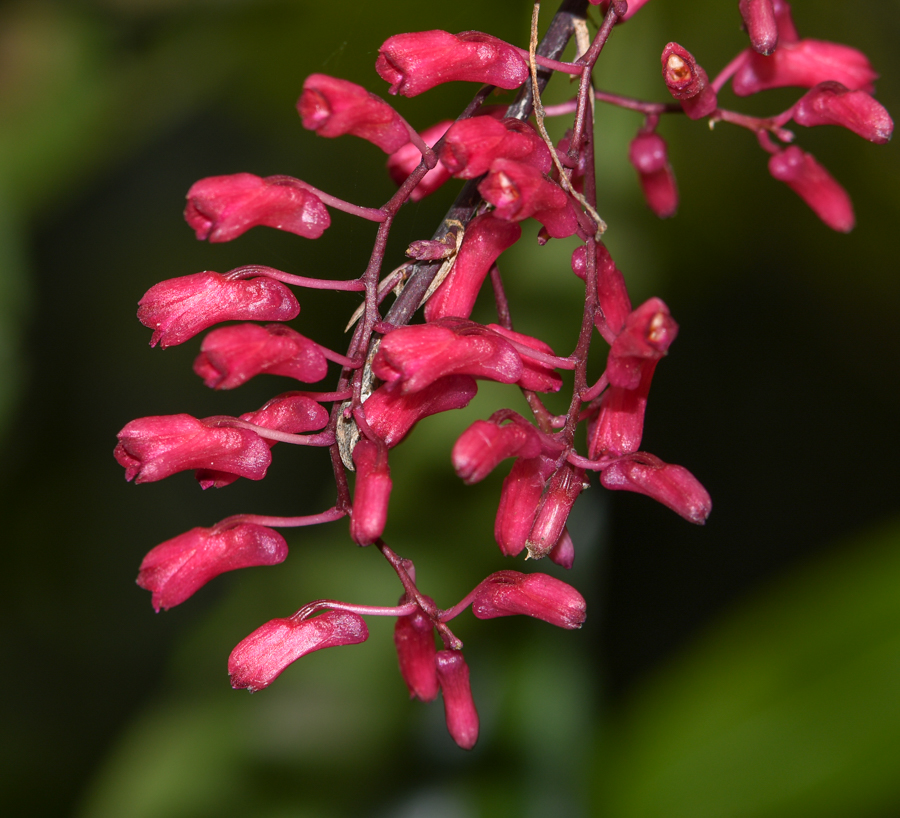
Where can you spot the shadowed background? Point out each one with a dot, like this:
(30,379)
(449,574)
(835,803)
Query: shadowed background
(749,668)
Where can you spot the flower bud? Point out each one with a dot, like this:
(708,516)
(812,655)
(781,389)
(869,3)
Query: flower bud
(815,185)
(372,492)
(487,236)
(153,448)
(221,208)
(392,413)
(830,103)
(414,639)
(761,24)
(620,424)
(647,335)
(612,294)
(402,162)
(509,593)
(673,486)
(260,658)
(687,81)
(459,706)
(418,61)
(519,501)
(230,356)
(333,107)
(471,145)
(553,511)
(482,446)
(179,567)
(178,308)
(563,553)
(648,154)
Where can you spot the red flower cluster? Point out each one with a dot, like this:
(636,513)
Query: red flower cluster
(396,373)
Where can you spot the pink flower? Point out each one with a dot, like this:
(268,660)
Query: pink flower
(402,162)
(177,309)
(179,567)
(612,294)
(416,62)
(487,236)
(372,492)
(647,335)
(556,502)
(291,412)
(392,413)
(815,185)
(414,639)
(510,593)
(563,553)
(519,501)
(830,103)
(804,63)
(334,107)
(620,425)
(536,375)
(519,191)
(259,659)
(482,446)
(221,208)
(155,447)
(761,24)
(413,357)
(471,145)
(459,706)
(230,356)
(673,486)
(649,156)
(687,81)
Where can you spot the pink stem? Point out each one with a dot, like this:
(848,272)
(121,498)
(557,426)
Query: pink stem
(329,516)
(372,214)
(553,65)
(353,285)
(363,610)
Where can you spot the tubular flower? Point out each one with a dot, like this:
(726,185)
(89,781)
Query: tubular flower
(687,81)
(487,236)
(612,295)
(831,103)
(260,658)
(416,652)
(333,107)
(413,63)
(373,491)
(177,309)
(520,498)
(519,191)
(673,486)
(471,145)
(510,593)
(153,448)
(392,413)
(230,356)
(553,511)
(221,208)
(179,567)
(647,335)
(815,185)
(648,155)
(459,706)
(291,412)
(481,447)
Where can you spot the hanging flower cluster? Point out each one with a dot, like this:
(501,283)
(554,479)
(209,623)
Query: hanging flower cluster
(396,372)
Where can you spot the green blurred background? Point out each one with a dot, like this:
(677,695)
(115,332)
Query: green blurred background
(750,668)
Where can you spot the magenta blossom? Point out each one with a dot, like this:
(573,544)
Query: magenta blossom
(519,501)
(230,356)
(830,103)
(815,185)
(178,308)
(647,335)
(221,208)
(619,427)
(153,448)
(510,593)
(403,161)
(481,447)
(687,81)
(761,24)
(649,156)
(557,499)
(459,706)
(334,107)
(612,295)
(471,145)
(260,658)
(413,63)
(673,486)
(179,567)
(372,493)
(416,652)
